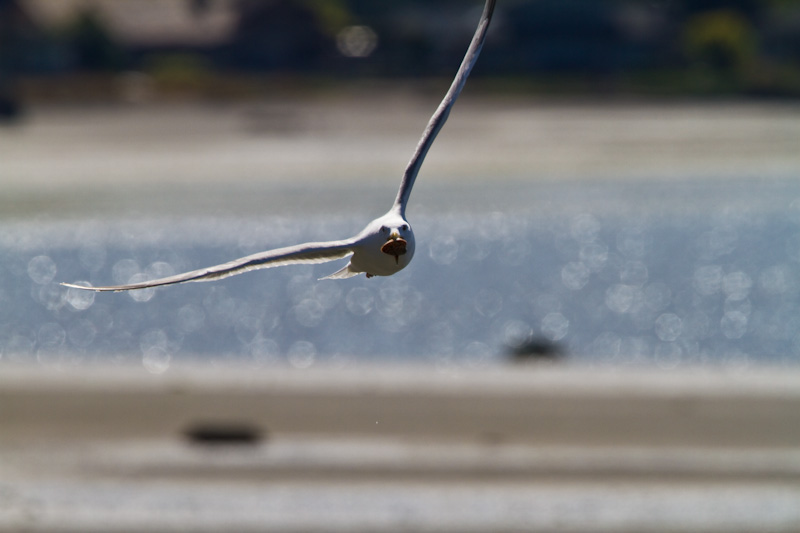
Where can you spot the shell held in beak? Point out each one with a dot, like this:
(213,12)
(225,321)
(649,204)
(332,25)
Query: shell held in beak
(395,247)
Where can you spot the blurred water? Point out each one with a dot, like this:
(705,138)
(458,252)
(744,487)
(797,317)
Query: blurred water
(665,272)
(374,506)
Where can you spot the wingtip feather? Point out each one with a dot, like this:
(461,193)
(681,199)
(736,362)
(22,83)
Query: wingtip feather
(342,273)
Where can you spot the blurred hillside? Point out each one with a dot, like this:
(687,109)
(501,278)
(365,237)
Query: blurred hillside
(137,50)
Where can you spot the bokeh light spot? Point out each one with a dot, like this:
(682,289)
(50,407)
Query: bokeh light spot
(707,279)
(620,297)
(668,327)
(141,295)
(488,302)
(79,299)
(734,324)
(443,250)
(575,275)
(555,326)
(302,354)
(360,301)
(356,41)
(41,269)
(736,285)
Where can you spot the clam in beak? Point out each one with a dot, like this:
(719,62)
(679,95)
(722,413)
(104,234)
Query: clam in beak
(395,246)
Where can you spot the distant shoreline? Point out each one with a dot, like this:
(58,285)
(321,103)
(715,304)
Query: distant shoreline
(362,140)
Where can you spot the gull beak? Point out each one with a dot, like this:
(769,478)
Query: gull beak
(394,245)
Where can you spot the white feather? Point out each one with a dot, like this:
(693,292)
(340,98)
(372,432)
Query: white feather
(365,248)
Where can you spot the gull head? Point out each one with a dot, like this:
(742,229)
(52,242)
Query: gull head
(395,240)
(385,247)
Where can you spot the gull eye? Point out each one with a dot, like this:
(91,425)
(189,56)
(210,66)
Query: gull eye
(384,229)
(404,227)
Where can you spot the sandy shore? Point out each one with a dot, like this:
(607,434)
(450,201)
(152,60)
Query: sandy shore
(195,157)
(537,407)
(347,450)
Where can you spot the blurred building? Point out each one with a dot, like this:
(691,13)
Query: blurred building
(739,46)
(276,35)
(131,29)
(21,39)
(143,24)
(22,47)
(289,35)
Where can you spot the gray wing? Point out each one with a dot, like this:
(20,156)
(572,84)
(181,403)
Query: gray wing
(440,115)
(313,252)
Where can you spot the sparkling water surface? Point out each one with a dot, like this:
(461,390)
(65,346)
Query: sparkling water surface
(671,272)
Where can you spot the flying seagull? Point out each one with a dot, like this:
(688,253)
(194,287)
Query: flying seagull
(384,247)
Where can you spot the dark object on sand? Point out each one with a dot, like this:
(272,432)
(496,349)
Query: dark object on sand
(223,433)
(536,349)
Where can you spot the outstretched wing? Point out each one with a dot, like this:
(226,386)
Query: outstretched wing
(313,252)
(440,115)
